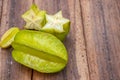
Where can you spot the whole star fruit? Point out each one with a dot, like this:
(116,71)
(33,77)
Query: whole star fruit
(57,25)
(40,51)
(34,18)
(8,37)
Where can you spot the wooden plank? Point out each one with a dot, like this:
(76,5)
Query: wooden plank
(77,68)
(101,28)
(1,3)
(76,44)
(11,16)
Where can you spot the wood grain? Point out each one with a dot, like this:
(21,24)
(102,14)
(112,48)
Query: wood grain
(101,19)
(1,5)
(92,44)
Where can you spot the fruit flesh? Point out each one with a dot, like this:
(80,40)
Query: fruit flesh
(54,24)
(8,37)
(57,25)
(42,45)
(34,18)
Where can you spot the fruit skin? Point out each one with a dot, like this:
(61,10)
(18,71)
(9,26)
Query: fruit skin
(35,50)
(8,37)
(37,63)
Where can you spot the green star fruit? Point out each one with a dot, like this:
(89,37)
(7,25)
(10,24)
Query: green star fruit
(57,25)
(8,37)
(34,18)
(40,51)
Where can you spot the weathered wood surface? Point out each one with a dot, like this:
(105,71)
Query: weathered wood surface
(93,43)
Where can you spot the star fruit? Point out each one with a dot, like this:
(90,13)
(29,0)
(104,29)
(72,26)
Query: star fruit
(57,25)
(34,18)
(40,51)
(8,37)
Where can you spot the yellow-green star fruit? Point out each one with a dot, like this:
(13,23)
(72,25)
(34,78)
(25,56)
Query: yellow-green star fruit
(34,18)
(40,51)
(57,25)
(8,37)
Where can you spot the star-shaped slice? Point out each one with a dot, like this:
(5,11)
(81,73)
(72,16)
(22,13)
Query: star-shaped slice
(34,18)
(55,23)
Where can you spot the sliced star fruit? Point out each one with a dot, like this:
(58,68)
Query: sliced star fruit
(57,25)
(34,18)
(40,51)
(8,37)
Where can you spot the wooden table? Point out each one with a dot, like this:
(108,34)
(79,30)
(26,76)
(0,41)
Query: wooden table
(93,43)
